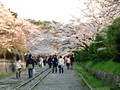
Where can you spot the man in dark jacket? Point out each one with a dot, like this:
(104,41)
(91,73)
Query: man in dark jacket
(30,65)
(71,61)
(55,64)
(50,61)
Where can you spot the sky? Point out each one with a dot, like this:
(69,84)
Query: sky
(45,10)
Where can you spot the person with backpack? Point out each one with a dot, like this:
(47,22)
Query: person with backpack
(30,65)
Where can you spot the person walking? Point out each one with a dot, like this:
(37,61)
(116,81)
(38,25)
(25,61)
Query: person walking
(41,62)
(61,64)
(49,61)
(71,61)
(18,67)
(44,60)
(67,59)
(55,64)
(30,65)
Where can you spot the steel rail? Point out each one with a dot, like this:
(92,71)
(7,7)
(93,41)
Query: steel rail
(39,80)
(84,79)
(23,84)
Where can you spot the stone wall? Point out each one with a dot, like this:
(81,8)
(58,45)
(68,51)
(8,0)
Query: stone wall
(7,66)
(105,76)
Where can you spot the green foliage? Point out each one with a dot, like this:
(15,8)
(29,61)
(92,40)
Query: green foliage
(81,55)
(106,66)
(39,23)
(103,54)
(95,82)
(43,23)
(113,37)
(106,45)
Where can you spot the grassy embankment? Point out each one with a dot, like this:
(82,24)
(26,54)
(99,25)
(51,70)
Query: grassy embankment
(93,81)
(2,76)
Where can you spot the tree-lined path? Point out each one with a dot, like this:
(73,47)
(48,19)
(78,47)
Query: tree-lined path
(92,36)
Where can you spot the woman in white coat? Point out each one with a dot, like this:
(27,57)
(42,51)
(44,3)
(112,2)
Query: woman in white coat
(41,62)
(18,67)
(61,64)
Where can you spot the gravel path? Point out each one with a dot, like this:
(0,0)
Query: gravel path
(54,81)
(60,81)
(10,82)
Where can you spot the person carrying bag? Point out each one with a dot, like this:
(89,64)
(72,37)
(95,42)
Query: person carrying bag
(30,65)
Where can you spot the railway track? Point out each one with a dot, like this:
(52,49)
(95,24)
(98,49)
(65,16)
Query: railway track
(12,83)
(83,79)
(30,84)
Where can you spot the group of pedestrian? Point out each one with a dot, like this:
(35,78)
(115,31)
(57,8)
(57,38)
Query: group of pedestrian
(69,60)
(41,61)
(54,62)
